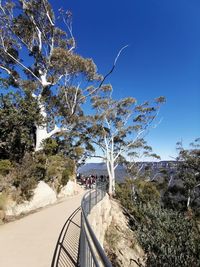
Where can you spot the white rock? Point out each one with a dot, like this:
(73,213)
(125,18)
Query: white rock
(69,189)
(43,195)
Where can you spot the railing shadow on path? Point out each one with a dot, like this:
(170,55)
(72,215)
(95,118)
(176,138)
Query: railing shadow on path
(77,245)
(67,247)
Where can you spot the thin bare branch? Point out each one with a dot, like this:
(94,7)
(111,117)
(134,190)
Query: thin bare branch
(111,70)
(8,71)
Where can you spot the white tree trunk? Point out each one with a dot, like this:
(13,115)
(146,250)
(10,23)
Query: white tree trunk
(41,130)
(110,178)
(188,200)
(41,136)
(111,175)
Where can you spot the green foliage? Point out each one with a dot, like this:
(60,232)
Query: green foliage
(112,237)
(189,169)
(146,192)
(5,167)
(50,146)
(55,166)
(46,92)
(27,174)
(66,174)
(3,200)
(69,171)
(168,237)
(118,128)
(125,194)
(184,192)
(189,164)
(18,115)
(135,192)
(60,170)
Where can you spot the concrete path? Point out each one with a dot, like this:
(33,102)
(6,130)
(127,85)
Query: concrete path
(30,241)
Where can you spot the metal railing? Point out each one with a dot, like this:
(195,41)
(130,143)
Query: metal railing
(91,253)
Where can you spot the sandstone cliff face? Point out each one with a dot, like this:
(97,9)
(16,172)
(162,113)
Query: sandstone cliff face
(111,228)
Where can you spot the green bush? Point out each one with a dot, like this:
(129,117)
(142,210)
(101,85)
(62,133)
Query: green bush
(5,167)
(68,173)
(28,174)
(112,237)
(55,167)
(50,146)
(65,177)
(168,237)
(3,201)
(25,184)
(146,192)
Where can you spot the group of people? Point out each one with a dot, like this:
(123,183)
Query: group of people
(90,181)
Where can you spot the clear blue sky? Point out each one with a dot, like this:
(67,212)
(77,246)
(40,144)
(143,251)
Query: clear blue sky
(163,57)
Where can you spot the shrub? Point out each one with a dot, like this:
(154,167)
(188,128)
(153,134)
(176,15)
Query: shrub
(5,167)
(112,237)
(65,177)
(3,201)
(25,184)
(68,173)
(50,146)
(146,192)
(55,167)
(28,173)
(168,238)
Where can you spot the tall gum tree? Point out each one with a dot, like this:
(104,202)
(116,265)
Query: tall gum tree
(189,170)
(119,126)
(39,57)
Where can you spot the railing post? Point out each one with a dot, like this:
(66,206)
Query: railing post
(95,195)
(90,202)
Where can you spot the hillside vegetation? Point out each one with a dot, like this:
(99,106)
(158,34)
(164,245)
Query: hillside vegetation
(166,219)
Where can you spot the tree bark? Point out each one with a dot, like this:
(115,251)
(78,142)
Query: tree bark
(41,130)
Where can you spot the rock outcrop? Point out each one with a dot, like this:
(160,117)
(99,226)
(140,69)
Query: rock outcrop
(111,229)
(43,195)
(71,189)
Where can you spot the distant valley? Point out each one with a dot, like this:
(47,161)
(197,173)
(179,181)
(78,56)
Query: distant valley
(121,173)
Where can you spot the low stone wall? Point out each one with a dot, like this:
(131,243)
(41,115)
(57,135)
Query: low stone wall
(100,218)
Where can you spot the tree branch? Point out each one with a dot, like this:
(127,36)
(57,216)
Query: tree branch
(47,13)
(8,71)
(17,61)
(111,70)
(57,130)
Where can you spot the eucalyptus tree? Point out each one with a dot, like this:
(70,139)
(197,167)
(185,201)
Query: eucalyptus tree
(119,127)
(189,170)
(38,58)
(17,125)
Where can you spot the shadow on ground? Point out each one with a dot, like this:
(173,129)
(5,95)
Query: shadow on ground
(66,251)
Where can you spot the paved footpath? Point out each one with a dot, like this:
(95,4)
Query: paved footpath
(30,241)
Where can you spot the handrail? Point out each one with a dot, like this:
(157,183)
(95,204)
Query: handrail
(91,252)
